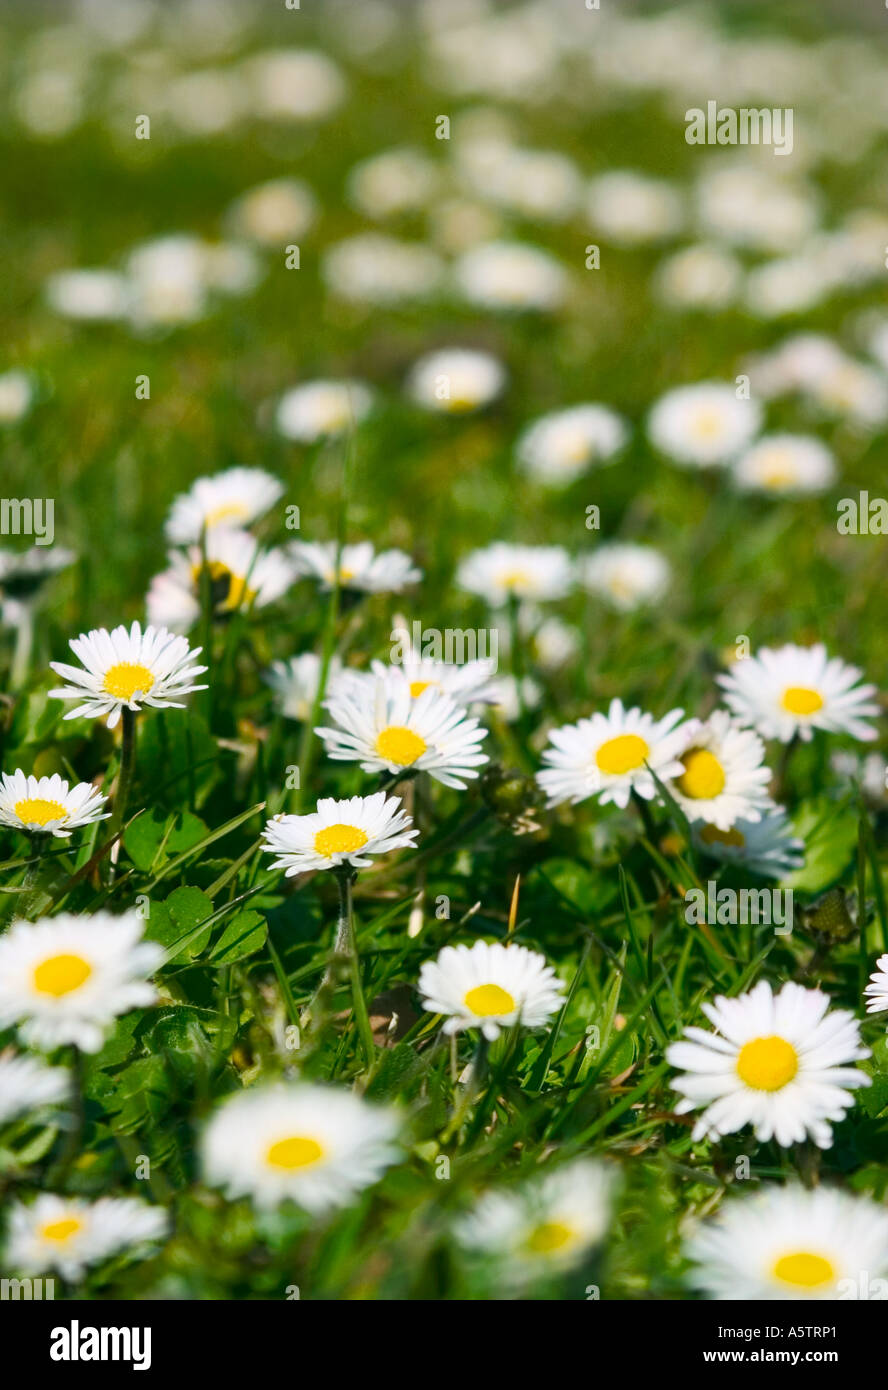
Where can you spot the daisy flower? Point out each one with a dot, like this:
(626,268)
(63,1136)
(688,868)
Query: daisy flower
(340,832)
(125,670)
(724,777)
(360,568)
(559,447)
(322,409)
(877,989)
(242,576)
(468,683)
(274,213)
(776,1062)
(70,1234)
(374,269)
(490,987)
(501,571)
(626,576)
(703,426)
(510,275)
(629,209)
(24,572)
(788,465)
(16,396)
(766,846)
(295,683)
(456,380)
(784,691)
(64,979)
(609,756)
(310,1144)
(236,497)
(787,1243)
(704,276)
(46,805)
(389,730)
(89,295)
(27,1084)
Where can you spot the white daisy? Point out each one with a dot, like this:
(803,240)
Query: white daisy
(392,182)
(96,296)
(512,700)
(877,989)
(65,979)
(491,987)
(788,1243)
(625,575)
(749,206)
(546,1225)
(294,84)
(776,1062)
(724,777)
(705,276)
(510,275)
(322,409)
(274,213)
(501,571)
(784,691)
(70,1234)
(468,683)
(24,572)
(609,756)
(340,832)
(766,846)
(27,1084)
(559,447)
(629,209)
(703,426)
(389,730)
(127,669)
(295,683)
(360,567)
(787,464)
(16,396)
(456,380)
(242,576)
(310,1144)
(46,805)
(236,497)
(374,269)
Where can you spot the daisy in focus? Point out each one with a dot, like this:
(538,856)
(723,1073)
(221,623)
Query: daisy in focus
(779,1062)
(27,1084)
(310,1144)
(766,846)
(64,979)
(242,575)
(788,465)
(46,805)
(786,1242)
(236,497)
(295,683)
(339,832)
(877,990)
(322,409)
(502,571)
(626,576)
(70,1234)
(561,446)
(703,426)
(389,730)
(456,381)
(361,569)
(490,987)
(126,669)
(787,691)
(724,777)
(612,755)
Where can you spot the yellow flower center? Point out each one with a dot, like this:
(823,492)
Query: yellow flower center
(514,579)
(798,699)
(33,810)
(708,424)
(711,835)
(777,470)
(703,776)
(548,1237)
(417,687)
(58,975)
(296,1152)
(622,754)
(399,745)
(345,575)
(339,839)
(229,511)
(767,1064)
(61,1230)
(484,1000)
(125,678)
(804,1269)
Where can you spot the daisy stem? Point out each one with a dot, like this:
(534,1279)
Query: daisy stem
(346,944)
(647,818)
(517,659)
(24,641)
(30,893)
(74,1136)
(307,745)
(124,777)
(783,769)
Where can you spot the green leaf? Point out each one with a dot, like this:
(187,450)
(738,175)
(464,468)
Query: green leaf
(829,830)
(171,921)
(243,935)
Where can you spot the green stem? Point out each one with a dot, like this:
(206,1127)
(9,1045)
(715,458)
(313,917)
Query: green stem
(124,779)
(24,641)
(346,943)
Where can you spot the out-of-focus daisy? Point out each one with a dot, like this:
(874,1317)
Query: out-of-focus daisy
(389,730)
(339,832)
(456,381)
(514,697)
(561,446)
(89,295)
(723,777)
(705,276)
(65,979)
(322,409)
(468,682)
(16,396)
(778,1062)
(798,363)
(294,84)
(788,1243)
(242,575)
(392,182)
(27,1084)
(234,498)
(23,573)
(703,426)
(361,569)
(274,212)
(47,805)
(374,269)
(629,208)
(750,207)
(491,987)
(784,691)
(70,1234)
(126,669)
(501,571)
(627,576)
(540,185)
(546,1225)
(510,275)
(313,1145)
(609,756)
(766,846)
(295,683)
(877,989)
(855,392)
(786,464)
